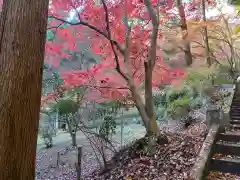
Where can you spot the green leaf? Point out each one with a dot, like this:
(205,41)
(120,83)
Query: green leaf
(236,29)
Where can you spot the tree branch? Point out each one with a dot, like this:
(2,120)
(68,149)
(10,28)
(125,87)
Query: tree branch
(55,27)
(118,69)
(115,43)
(105,87)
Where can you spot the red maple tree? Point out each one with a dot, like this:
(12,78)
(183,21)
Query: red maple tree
(125,34)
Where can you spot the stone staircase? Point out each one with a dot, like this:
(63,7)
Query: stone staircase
(226,150)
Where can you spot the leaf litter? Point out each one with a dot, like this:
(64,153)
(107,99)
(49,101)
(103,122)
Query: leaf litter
(172,161)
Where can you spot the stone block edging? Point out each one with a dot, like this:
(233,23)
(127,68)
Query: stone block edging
(204,158)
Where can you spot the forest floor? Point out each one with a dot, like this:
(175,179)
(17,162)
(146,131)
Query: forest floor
(188,141)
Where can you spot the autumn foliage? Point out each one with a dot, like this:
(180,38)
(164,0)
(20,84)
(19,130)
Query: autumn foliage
(92,29)
(126,35)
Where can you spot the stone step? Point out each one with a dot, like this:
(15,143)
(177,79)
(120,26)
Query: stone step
(235,101)
(234,126)
(229,137)
(235,98)
(226,165)
(227,148)
(235,118)
(234,121)
(236,107)
(235,111)
(235,114)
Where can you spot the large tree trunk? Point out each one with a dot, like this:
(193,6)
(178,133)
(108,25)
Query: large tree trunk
(205,37)
(186,43)
(23,33)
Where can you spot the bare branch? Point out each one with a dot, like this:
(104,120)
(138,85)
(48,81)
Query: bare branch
(105,87)
(55,27)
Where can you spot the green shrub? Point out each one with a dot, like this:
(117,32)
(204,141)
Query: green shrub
(179,107)
(46,134)
(108,128)
(159,99)
(175,94)
(66,106)
(178,93)
(222,80)
(196,103)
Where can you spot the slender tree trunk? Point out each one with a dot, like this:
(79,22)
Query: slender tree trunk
(142,110)
(71,131)
(149,106)
(74,139)
(139,104)
(186,45)
(205,36)
(23,33)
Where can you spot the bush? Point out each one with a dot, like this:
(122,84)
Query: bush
(176,103)
(178,93)
(179,107)
(160,113)
(66,106)
(196,103)
(108,128)
(159,99)
(46,134)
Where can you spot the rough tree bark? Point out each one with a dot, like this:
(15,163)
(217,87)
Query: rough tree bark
(22,36)
(205,36)
(186,43)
